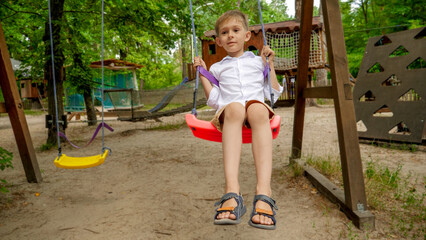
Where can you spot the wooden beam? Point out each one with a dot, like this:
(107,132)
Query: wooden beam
(361,219)
(15,109)
(350,155)
(302,77)
(352,200)
(318,92)
(3,108)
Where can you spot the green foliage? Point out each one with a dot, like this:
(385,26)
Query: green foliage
(157,34)
(365,19)
(24,32)
(5,162)
(160,72)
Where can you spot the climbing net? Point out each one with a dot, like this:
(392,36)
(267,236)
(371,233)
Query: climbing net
(286,47)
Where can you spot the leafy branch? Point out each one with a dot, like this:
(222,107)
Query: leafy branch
(5,162)
(16,11)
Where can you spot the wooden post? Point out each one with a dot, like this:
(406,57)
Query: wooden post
(353,200)
(343,104)
(17,118)
(302,77)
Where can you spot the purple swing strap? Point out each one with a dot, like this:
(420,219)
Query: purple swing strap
(266,71)
(93,137)
(213,80)
(208,75)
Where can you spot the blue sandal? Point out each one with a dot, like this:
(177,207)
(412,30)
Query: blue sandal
(238,211)
(267,213)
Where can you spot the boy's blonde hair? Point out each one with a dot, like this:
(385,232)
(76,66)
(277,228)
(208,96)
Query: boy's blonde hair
(236,14)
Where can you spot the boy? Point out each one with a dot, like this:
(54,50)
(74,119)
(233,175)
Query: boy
(240,100)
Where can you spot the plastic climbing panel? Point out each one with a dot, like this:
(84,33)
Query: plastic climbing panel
(390,92)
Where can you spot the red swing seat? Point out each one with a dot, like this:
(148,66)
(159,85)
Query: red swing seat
(207,131)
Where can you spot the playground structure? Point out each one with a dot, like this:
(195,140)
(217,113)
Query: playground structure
(390,92)
(284,38)
(155,113)
(352,199)
(121,79)
(311,55)
(34,92)
(123,98)
(14,107)
(31,90)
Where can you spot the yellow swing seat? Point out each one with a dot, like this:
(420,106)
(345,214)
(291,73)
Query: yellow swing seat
(67,162)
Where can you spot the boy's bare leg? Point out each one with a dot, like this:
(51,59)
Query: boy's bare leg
(233,120)
(258,117)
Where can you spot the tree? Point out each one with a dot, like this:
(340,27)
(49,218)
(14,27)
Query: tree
(363,19)
(57,112)
(82,78)
(82,35)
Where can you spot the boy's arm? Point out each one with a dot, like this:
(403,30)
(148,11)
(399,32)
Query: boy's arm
(274,81)
(267,52)
(206,83)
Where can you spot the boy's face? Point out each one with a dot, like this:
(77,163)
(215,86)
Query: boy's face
(232,37)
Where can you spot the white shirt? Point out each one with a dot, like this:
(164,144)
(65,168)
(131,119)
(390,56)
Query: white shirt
(241,80)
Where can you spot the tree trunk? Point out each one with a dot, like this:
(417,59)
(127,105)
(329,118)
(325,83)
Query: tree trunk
(321,74)
(183,60)
(321,77)
(90,108)
(57,13)
(84,87)
(123,54)
(298,10)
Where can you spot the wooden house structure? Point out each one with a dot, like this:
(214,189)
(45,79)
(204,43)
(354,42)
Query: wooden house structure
(33,90)
(121,87)
(119,65)
(283,38)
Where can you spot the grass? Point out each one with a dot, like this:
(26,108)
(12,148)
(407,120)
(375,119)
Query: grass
(34,112)
(396,146)
(47,146)
(329,166)
(28,113)
(324,101)
(397,197)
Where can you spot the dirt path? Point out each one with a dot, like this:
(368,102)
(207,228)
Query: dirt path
(162,185)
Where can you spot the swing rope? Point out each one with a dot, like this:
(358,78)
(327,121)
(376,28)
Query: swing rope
(73,162)
(54,82)
(194,110)
(102,67)
(267,58)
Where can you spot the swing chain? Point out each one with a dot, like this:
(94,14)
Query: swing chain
(107,148)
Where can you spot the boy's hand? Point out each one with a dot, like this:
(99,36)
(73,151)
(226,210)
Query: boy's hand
(199,62)
(267,52)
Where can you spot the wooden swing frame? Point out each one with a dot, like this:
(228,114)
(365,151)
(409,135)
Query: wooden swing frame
(14,107)
(352,200)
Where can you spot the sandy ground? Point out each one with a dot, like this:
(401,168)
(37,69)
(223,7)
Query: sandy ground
(162,185)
